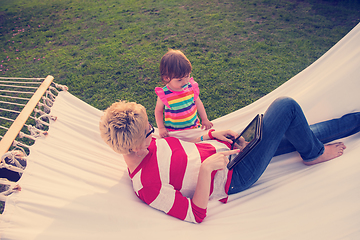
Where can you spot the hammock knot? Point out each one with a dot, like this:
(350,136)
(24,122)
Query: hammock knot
(14,160)
(7,187)
(62,87)
(36,132)
(47,104)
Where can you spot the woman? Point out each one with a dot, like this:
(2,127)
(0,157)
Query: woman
(180,177)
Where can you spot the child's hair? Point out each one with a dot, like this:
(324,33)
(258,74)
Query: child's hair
(123,126)
(174,64)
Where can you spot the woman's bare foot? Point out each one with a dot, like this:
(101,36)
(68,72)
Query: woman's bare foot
(331,151)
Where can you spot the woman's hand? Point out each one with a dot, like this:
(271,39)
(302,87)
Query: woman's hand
(225,135)
(241,143)
(218,160)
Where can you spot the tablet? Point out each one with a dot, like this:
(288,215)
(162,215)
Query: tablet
(248,139)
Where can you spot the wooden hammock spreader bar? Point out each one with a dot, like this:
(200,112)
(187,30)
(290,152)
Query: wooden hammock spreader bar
(19,122)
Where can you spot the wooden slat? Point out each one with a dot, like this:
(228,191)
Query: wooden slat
(19,122)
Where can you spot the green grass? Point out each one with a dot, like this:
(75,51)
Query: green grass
(107,50)
(2,206)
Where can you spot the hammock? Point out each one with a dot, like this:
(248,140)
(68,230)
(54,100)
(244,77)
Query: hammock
(15,102)
(76,187)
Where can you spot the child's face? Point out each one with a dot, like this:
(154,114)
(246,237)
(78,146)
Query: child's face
(179,84)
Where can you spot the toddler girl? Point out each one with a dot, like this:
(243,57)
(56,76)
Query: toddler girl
(180,96)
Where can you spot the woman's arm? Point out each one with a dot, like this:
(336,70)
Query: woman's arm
(173,203)
(219,135)
(217,161)
(148,183)
(159,117)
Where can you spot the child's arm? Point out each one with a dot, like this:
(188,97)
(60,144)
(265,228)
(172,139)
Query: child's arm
(159,117)
(201,110)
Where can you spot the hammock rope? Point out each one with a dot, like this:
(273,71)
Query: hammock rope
(16,86)
(7,187)
(18,78)
(11,103)
(12,97)
(15,159)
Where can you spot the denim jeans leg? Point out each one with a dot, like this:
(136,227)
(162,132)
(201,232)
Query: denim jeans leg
(284,117)
(327,131)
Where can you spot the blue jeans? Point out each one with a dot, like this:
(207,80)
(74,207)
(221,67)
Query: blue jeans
(285,129)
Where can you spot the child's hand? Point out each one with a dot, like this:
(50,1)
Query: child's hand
(206,124)
(163,133)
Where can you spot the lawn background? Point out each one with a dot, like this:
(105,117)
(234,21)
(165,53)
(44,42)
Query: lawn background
(106,50)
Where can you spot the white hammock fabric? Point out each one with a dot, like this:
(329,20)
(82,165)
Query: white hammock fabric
(76,187)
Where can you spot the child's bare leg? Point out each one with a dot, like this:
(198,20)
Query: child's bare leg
(331,151)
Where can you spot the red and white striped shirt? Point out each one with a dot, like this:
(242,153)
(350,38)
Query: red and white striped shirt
(166,178)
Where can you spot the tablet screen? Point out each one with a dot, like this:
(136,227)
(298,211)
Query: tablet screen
(247,140)
(246,136)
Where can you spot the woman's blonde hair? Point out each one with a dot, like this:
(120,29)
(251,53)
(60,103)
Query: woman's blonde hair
(123,126)
(174,64)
